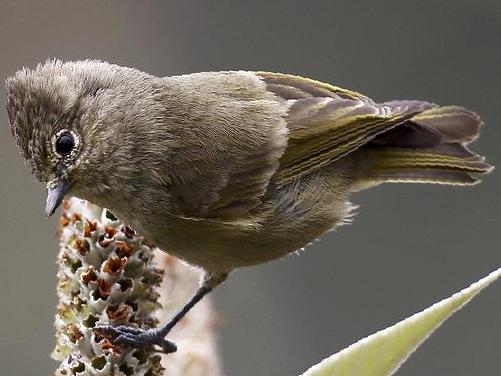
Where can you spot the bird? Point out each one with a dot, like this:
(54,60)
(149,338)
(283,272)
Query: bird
(225,169)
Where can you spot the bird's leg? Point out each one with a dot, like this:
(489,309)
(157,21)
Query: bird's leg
(139,338)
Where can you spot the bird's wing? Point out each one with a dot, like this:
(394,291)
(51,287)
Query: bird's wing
(327,122)
(324,123)
(230,136)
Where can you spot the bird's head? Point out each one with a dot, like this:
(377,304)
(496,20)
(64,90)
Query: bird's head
(53,111)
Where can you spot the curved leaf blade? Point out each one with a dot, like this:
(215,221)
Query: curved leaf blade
(382,353)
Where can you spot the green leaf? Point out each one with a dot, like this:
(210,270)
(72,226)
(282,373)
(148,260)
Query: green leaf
(382,353)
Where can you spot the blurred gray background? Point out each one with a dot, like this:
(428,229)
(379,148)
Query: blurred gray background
(410,245)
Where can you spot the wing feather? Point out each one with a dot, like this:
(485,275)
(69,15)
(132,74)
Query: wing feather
(328,122)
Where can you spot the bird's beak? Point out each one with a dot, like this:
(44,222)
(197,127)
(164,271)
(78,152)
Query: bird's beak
(55,195)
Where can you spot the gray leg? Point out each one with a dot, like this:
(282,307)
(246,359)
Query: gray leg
(139,338)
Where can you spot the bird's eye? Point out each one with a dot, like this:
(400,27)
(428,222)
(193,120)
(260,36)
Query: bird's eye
(95,91)
(65,144)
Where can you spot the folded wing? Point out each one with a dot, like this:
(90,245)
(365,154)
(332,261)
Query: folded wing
(411,141)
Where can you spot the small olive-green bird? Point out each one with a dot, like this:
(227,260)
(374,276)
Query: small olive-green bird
(225,169)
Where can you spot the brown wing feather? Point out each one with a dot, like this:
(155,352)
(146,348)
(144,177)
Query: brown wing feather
(327,122)
(289,86)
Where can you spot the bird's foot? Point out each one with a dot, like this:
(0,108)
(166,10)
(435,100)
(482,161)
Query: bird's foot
(137,338)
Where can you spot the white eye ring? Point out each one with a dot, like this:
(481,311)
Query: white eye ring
(72,142)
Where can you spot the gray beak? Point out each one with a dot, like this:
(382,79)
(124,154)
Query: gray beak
(55,195)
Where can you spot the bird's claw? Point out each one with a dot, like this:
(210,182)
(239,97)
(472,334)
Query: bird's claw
(136,337)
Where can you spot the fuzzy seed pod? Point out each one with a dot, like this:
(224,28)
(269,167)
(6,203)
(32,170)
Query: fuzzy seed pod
(106,276)
(109,275)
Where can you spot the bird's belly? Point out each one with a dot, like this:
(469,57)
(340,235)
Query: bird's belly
(287,220)
(222,247)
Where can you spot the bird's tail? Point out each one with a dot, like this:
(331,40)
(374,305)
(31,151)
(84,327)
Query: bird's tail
(428,148)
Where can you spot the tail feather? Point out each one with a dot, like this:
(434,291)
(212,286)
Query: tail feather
(445,164)
(437,125)
(425,176)
(428,148)
(453,123)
